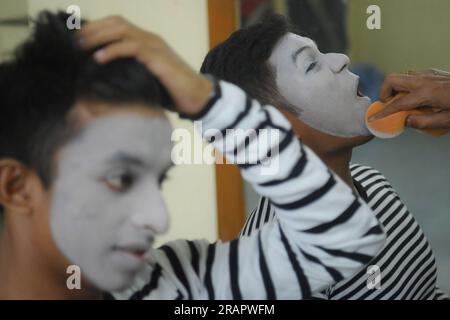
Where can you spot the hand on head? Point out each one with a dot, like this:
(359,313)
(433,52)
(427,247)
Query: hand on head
(118,38)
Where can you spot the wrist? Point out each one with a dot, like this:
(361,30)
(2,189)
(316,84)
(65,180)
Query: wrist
(204,92)
(209,93)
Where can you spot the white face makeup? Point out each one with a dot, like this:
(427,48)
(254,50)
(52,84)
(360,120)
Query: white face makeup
(106,204)
(321,86)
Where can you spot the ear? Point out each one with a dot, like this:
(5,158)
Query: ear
(14,186)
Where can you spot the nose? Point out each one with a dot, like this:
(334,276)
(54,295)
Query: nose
(150,212)
(338,62)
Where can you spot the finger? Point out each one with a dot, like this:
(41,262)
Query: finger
(101,24)
(428,72)
(422,72)
(407,102)
(396,82)
(415,72)
(103,36)
(439,72)
(116,50)
(438,120)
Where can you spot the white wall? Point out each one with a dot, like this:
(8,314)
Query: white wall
(11,36)
(190,191)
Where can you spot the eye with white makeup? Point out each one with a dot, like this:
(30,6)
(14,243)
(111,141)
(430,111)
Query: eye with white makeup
(311,66)
(119,179)
(307,58)
(123,178)
(309,63)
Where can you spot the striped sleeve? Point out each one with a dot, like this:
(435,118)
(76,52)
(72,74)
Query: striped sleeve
(439,294)
(321,233)
(262,214)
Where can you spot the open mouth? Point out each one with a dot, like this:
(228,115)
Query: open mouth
(138,253)
(358,90)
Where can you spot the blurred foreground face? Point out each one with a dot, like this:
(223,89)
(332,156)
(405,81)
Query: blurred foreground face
(321,86)
(106,206)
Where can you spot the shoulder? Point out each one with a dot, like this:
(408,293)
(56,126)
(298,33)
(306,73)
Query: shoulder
(172,272)
(371,180)
(261,214)
(363,173)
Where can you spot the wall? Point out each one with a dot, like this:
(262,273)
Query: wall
(413,35)
(190,191)
(10,36)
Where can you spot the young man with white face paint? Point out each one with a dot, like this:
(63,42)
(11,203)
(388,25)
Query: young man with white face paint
(89,194)
(78,140)
(325,81)
(320,97)
(115,228)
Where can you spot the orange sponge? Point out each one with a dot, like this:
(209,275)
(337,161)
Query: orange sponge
(394,124)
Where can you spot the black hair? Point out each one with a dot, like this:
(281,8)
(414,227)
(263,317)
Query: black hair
(242,59)
(46,76)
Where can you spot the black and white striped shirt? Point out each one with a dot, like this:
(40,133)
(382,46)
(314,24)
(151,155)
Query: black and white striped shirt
(323,234)
(406,262)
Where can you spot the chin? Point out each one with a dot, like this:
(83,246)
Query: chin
(115,283)
(341,143)
(360,140)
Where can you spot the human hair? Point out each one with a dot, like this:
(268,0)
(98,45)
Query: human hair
(46,76)
(242,59)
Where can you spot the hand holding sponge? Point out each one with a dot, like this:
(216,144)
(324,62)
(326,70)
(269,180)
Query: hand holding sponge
(394,124)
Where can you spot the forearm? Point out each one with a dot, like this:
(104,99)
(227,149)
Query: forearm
(320,218)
